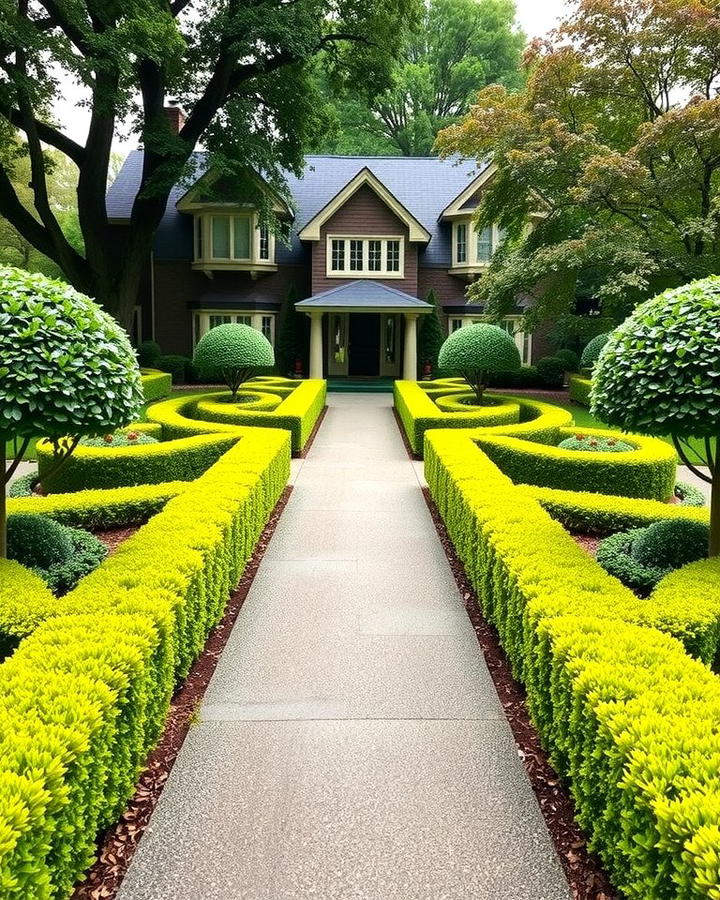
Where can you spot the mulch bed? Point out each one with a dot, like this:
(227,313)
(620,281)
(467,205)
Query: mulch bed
(301,454)
(589,542)
(118,845)
(583,870)
(113,537)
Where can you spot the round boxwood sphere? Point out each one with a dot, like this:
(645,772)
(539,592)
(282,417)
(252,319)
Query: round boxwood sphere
(479,349)
(37,542)
(671,544)
(66,366)
(232,348)
(659,372)
(592,350)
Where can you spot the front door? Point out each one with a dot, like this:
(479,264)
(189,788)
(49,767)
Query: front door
(364,344)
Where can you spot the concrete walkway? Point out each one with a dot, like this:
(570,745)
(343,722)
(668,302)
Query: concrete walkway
(351,744)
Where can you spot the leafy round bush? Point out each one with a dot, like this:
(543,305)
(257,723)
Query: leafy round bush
(594,443)
(551,372)
(615,555)
(88,552)
(149,353)
(592,351)
(178,366)
(671,544)
(569,358)
(476,351)
(688,494)
(119,439)
(66,367)
(659,373)
(37,542)
(23,486)
(232,352)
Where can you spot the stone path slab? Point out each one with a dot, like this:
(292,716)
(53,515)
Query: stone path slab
(351,744)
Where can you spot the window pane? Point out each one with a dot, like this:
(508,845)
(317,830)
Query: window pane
(393,256)
(337,262)
(221,237)
(356,256)
(374,256)
(243,320)
(266,327)
(484,245)
(219,320)
(455,324)
(264,242)
(241,234)
(461,243)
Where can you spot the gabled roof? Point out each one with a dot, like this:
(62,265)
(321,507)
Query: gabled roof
(364,295)
(202,194)
(458,206)
(311,231)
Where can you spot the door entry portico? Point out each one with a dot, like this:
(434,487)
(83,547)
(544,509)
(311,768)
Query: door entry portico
(364,344)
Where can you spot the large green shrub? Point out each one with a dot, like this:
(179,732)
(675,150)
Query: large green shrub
(232,353)
(551,372)
(592,351)
(66,367)
(659,373)
(569,358)
(476,351)
(149,353)
(430,336)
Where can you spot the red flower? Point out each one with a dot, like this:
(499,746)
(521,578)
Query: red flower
(580,437)
(108,438)
(593,443)
(132,435)
(612,442)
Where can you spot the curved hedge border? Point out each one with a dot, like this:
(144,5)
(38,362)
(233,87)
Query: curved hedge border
(418,413)
(629,719)
(155,384)
(25,602)
(84,697)
(647,472)
(502,412)
(579,388)
(220,409)
(298,412)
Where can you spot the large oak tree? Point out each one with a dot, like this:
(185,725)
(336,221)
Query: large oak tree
(239,69)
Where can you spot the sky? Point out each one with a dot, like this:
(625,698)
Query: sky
(536,18)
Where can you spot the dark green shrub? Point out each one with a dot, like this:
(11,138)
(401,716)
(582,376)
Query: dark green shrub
(524,377)
(232,353)
(551,372)
(176,365)
(595,444)
(591,352)
(671,544)
(430,336)
(476,351)
(570,358)
(293,340)
(149,353)
(37,542)
(688,494)
(87,554)
(23,486)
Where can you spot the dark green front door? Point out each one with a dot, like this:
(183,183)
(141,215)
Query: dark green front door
(364,344)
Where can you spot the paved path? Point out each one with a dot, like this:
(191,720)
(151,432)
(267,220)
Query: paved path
(351,744)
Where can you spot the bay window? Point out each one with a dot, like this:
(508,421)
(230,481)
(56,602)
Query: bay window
(475,247)
(232,241)
(365,257)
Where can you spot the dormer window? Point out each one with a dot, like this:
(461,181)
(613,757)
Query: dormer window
(365,257)
(236,240)
(473,248)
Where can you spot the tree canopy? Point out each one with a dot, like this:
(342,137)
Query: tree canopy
(459,47)
(240,70)
(612,151)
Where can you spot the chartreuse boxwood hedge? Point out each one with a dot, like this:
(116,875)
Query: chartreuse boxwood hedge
(155,384)
(628,717)
(84,697)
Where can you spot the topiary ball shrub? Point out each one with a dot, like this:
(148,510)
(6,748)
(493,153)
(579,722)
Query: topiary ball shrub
(37,542)
(232,353)
(688,494)
(569,358)
(592,350)
(551,372)
(671,544)
(119,439)
(149,353)
(592,443)
(476,351)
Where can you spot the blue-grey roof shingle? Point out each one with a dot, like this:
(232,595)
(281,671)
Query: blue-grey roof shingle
(367,294)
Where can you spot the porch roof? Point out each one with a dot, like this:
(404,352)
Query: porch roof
(364,296)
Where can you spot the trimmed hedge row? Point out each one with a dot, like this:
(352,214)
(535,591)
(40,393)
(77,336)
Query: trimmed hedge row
(109,467)
(221,408)
(298,412)
(155,384)
(647,472)
(579,388)
(84,698)
(418,413)
(25,602)
(628,718)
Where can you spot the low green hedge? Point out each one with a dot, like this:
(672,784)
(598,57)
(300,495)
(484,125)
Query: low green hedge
(108,467)
(418,412)
(648,471)
(579,389)
(629,719)
(221,407)
(155,384)
(84,698)
(25,602)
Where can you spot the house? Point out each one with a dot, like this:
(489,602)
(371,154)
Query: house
(370,238)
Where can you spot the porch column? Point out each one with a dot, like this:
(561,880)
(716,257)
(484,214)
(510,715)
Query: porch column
(410,354)
(316,354)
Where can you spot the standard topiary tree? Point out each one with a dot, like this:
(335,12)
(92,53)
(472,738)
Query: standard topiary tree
(476,351)
(232,353)
(430,336)
(659,374)
(66,369)
(592,350)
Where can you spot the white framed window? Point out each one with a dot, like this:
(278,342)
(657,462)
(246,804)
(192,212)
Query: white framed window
(223,240)
(264,321)
(264,242)
(475,246)
(461,243)
(484,248)
(455,324)
(365,257)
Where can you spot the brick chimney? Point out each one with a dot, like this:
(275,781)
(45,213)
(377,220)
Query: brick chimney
(175,116)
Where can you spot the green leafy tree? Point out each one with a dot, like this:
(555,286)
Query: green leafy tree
(612,151)
(659,373)
(293,339)
(241,72)
(66,369)
(430,336)
(476,351)
(232,352)
(459,47)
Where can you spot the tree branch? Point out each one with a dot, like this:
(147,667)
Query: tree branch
(51,136)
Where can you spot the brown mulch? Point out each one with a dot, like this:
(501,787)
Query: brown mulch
(117,846)
(583,869)
(113,537)
(408,449)
(301,454)
(589,542)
